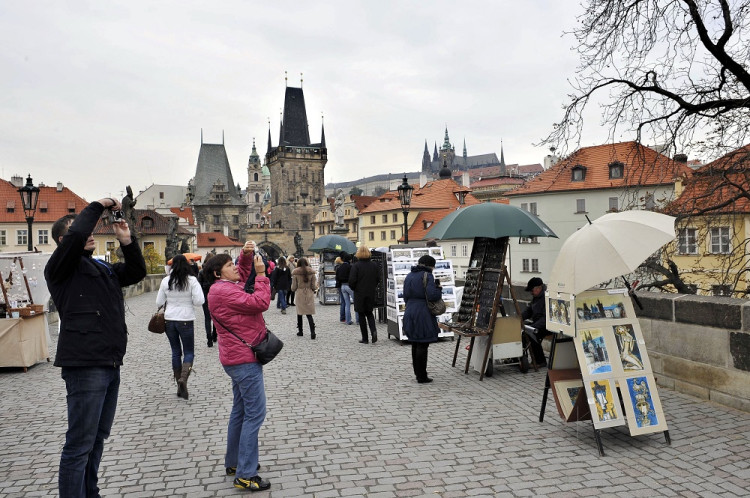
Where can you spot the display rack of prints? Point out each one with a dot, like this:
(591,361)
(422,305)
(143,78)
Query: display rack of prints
(328,293)
(400,262)
(613,365)
(15,291)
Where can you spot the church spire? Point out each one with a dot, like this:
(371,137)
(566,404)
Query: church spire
(269,137)
(503,170)
(322,133)
(464,147)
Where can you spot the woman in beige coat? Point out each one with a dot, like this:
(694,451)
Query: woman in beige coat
(304,286)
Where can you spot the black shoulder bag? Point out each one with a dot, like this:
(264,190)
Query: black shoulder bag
(266,350)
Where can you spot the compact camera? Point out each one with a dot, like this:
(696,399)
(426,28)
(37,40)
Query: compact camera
(118,216)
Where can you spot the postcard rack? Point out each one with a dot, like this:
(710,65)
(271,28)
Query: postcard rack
(599,368)
(482,297)
(11,280)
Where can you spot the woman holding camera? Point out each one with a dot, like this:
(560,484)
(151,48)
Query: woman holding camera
(420,326)
(238,314)
(180,291)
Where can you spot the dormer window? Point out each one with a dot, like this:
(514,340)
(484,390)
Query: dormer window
(578,173)
(616,170)
(147,222)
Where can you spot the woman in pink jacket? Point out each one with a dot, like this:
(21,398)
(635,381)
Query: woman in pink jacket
(235,310)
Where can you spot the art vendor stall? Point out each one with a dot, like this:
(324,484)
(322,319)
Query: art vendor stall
(599,368)
(24,333)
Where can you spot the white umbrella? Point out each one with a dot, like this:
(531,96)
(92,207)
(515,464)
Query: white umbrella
(614,244)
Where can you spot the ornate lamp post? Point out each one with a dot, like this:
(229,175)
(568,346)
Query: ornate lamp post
(29,195)
(404,195)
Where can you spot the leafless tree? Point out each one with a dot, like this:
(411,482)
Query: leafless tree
(668,72)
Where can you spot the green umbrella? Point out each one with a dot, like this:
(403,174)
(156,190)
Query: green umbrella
(489,219)
(333,243)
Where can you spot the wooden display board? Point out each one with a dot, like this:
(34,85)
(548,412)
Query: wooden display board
(613,367)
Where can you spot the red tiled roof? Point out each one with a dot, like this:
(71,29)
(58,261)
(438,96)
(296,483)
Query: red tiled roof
(216,239)
(362,201)
(51,204)
(159,224)
(417,231)
(643,166)
(438,194)
(498,180)
(185,213)
(710,186)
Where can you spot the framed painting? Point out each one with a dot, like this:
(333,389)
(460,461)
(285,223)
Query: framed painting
(559,313)
(402,267)
(604,403)
(593,352)
(612,304)
(631,349)
(566,386)
(436,252)
(419,252)
(566,393)
(642,406)
(401,254)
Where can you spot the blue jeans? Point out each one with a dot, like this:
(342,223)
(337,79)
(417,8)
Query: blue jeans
(92,402)
(342,313)
(248,413)
(180,335)
(348,295)
(280,301)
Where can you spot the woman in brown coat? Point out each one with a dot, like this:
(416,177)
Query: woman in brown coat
(304,286)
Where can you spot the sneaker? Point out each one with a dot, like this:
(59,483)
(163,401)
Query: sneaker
(233,470)
(253,484)
(283,311)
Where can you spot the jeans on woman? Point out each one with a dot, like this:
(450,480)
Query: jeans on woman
(248,413)
(92,402)
(180,335)
(281,299)
(348,295)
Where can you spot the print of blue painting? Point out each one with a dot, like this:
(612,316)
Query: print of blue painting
(643,406)
(595,351)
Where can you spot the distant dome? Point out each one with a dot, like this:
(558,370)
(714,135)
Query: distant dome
(264,171)
(445,173)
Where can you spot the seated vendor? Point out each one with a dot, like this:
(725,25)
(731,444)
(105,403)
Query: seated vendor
(535,316)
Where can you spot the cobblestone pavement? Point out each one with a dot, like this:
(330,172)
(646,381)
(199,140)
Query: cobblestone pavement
(346,419)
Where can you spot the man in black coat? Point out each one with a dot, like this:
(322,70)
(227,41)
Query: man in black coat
(92,339)
(535,315)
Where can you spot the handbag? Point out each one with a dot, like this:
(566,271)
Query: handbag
(436,308)
(158,324)
(266,350)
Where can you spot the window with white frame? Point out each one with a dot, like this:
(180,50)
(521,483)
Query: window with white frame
(3,238)
(525,267)
(528,240)
(686,241)
(395,217)
(385,218)
(371,236)
(464,250)
(525,206)
(43,237)
(580,205)
(21,237)
(393,234)
(532,207)
(535,265)
(613,204)
(382,235)
(454,252)
(719,240)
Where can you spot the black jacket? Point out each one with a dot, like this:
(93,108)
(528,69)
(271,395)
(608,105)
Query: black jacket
(87,293)
(281,279)
(536,313)
(342,273)
(363,279)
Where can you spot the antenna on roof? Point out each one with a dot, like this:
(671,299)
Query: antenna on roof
(300,80)
(286,79)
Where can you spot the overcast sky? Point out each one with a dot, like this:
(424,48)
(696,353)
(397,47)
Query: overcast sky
(100,95)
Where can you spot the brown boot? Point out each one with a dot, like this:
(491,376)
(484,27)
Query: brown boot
(177,374)
(182,390)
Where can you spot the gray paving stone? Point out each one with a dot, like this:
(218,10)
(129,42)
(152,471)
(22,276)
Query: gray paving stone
(349,420)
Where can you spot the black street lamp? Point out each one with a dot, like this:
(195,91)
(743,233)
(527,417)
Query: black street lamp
(404,196)
(29,195)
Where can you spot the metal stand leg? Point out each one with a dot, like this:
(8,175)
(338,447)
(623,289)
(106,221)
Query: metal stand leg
(667,438)
(599,442)
(455,355)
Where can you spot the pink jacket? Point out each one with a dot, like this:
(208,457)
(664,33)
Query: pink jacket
(241,312)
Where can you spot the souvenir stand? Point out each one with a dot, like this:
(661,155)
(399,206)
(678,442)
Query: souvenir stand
(599,368)
(328,293)
(482,301)
(23,324)
(400,261)
(380,259)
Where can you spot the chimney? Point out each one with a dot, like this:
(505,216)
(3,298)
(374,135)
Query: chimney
(17,181)
(681,158)
(59,186)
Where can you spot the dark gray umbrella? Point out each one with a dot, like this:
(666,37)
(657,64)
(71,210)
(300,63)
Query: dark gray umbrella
(492,220)
(333,243)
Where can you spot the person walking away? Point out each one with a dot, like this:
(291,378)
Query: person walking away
(363,280)
(304,286)
(235,311)
(535,315)
(281,281)
(210,329)
(347,294)
(92,339)
(336,265)
(291,263)
(181,292)
(420,326)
